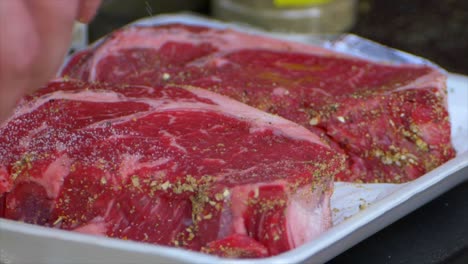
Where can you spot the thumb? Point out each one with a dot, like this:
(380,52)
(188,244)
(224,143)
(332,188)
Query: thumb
(87,10)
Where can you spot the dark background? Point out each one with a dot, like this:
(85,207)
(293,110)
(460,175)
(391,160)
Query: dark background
(436,30)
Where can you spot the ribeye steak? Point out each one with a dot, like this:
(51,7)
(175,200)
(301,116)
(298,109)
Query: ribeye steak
(390,120)
(173,166)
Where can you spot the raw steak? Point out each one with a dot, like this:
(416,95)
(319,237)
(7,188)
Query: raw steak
(390,120)
(173,166)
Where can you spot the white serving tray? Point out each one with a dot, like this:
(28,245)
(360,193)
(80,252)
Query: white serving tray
(384,203)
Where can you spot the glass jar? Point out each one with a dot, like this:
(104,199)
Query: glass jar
(297,16)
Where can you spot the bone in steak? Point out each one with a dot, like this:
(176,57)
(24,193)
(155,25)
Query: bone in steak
(172,166)
(391,121)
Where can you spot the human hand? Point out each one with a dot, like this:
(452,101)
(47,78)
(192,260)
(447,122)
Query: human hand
(35,36)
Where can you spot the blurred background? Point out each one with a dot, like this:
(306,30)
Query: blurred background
(436,30)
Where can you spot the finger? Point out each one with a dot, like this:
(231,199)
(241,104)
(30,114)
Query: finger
(19,49)
(54,23)
(87,10)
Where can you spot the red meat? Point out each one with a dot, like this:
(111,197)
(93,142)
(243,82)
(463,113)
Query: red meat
(391,121)
(172,166)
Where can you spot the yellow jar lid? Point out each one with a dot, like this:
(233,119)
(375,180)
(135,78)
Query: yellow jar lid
(297,3)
